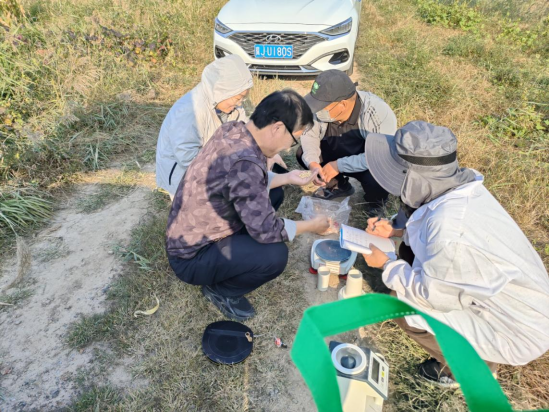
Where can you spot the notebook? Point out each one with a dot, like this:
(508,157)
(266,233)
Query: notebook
(359,241)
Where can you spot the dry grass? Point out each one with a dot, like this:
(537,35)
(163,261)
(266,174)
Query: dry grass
(93,101)
(457,91)
(84,82)
(410,71)
(166,347)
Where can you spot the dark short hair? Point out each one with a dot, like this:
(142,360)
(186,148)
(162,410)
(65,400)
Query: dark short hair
(286,106)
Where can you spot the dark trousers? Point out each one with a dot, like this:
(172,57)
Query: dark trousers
(276,196)
(237,264)
(336,147)
(425,339)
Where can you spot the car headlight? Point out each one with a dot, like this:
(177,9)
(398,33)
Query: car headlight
(221,28)
(341,28)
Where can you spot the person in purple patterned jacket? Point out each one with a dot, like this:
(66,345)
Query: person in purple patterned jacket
(223,232)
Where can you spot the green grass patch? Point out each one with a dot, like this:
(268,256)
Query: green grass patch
(14,297)
(109,189)
(522,127)
(22,210)
(89,329)
(466,46)
(452,14)
(401,72)
(96,398)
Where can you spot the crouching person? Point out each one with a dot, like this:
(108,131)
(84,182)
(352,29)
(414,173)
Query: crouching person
(223,232)
(195,117)
(464,261)
(344,118)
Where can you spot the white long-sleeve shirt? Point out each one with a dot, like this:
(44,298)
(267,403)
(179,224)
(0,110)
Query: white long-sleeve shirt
(475,271)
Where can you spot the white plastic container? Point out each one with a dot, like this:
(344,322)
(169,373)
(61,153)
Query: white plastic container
(353,287)
(323,278)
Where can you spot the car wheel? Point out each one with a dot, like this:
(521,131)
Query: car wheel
(350,70)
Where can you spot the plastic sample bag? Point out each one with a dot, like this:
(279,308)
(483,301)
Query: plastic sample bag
(338,212)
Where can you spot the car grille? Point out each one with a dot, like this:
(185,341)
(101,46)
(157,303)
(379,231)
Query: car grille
(265,67)
(301,42)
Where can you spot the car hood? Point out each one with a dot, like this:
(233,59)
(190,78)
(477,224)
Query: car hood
(304,12)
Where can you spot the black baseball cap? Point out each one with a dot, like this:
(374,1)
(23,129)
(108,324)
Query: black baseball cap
(330,86)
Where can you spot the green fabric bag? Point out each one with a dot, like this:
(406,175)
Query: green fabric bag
(312,357)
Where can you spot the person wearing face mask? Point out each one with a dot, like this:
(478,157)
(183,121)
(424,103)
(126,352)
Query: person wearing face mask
(344,117)
(223,233)
(195,117)
(465,262)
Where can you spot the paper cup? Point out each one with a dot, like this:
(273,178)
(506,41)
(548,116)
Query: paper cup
(323,278)
(354,284)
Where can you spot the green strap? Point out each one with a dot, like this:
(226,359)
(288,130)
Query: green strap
(312,357)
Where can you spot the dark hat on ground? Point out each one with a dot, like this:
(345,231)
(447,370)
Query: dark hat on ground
(227,342)
(416,145)
(330,86)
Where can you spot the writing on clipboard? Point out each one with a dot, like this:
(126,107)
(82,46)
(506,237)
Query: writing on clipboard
(359,241)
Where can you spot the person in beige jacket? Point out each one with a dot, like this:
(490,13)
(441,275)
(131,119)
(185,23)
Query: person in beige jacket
(195,117)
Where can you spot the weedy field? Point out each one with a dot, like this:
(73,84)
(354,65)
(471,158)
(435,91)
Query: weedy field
(84,87)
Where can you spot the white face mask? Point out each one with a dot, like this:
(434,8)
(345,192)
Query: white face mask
(324,116)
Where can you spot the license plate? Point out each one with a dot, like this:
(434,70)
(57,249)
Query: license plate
(274,51)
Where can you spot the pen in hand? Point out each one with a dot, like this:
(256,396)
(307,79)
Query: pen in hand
(374,226)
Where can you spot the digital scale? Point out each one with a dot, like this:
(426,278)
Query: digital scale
(328,253)
(362,376)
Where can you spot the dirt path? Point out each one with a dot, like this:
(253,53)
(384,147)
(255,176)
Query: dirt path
(72,267)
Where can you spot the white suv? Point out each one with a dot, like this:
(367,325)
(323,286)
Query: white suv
(291,37)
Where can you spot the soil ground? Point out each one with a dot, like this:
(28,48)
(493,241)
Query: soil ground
(72,267)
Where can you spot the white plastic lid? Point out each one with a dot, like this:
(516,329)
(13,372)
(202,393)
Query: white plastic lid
(348,349)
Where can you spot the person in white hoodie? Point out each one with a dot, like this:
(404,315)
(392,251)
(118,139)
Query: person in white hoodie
(464,260)
(195,117)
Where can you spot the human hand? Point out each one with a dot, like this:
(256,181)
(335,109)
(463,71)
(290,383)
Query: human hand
(275,159)
(299,177)
(330,171)
(320,179)
(320,224)
(380,227)
(376,259)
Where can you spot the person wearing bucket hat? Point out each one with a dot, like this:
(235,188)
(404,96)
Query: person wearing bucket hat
(344,116)
(468,264)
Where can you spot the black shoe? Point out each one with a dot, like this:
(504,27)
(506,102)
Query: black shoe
(431,371)
(343,190)
(236,308)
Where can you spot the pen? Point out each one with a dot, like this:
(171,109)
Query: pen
(374,227)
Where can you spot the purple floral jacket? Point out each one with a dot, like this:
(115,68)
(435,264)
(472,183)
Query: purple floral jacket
(224,190)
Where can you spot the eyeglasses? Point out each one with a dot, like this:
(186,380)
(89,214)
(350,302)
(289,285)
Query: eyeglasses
(295,143)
